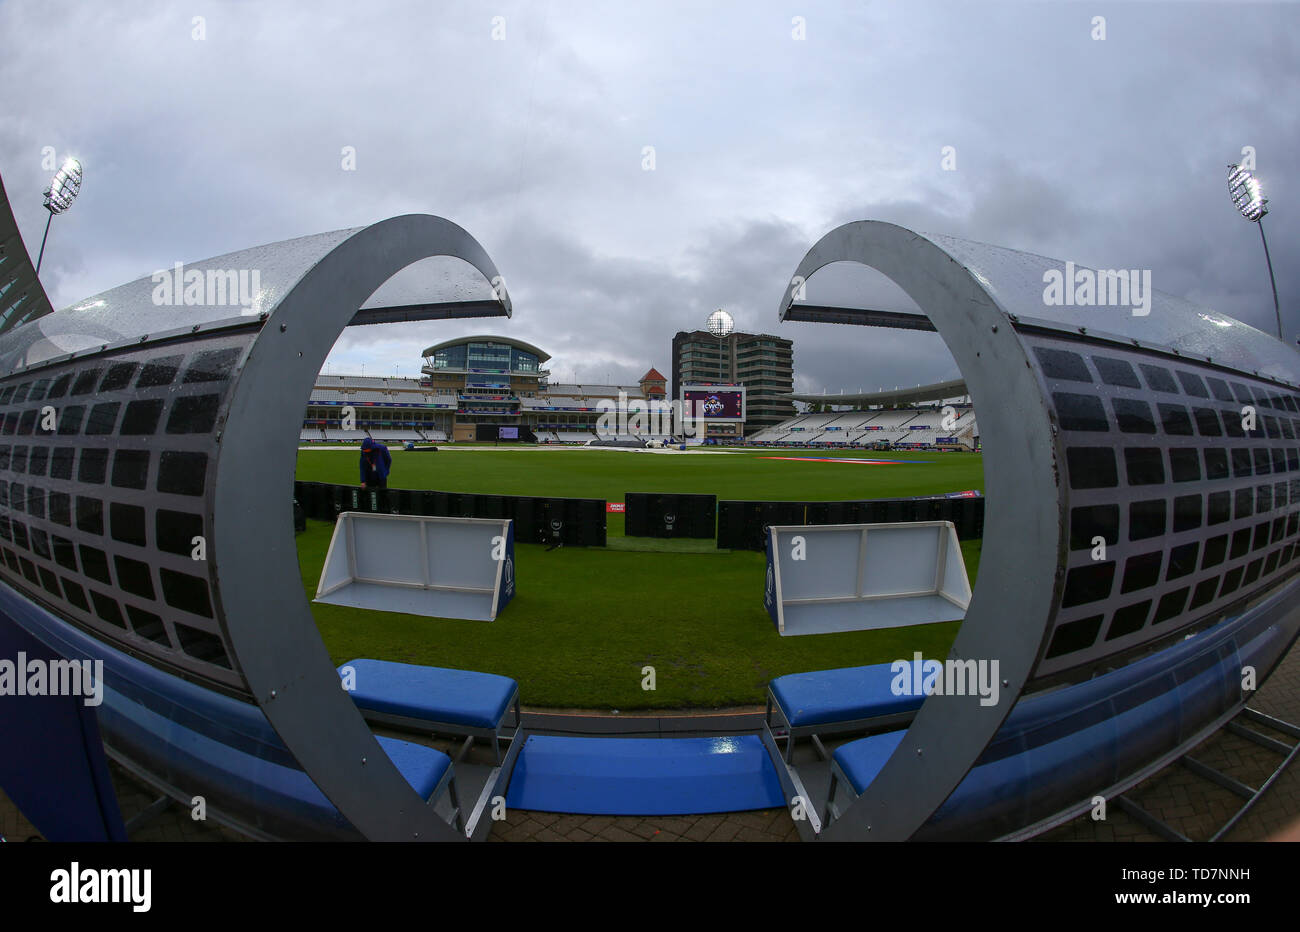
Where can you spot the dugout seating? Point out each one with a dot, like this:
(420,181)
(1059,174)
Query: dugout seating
(1089,734)
(260,782)
(224,748)
(434,700)
(836,701)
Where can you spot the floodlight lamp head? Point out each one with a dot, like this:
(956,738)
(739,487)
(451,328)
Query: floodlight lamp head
(720,323)
(1246,193)
(64,187)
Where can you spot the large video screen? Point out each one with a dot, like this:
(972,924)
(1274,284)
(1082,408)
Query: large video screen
(714,403)
(508,433)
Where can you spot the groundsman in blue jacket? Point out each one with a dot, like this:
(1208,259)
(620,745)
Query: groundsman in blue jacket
(375,464)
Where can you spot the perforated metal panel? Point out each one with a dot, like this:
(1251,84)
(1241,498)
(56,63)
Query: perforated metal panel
(1192,512)
(106,473)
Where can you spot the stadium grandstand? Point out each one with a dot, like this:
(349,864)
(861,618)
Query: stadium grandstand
(393,408)
(938,416)
(470,388)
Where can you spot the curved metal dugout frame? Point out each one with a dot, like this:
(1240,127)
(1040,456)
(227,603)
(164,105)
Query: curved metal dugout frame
(285,664)
(987,303)
(272,348)
(1007,618)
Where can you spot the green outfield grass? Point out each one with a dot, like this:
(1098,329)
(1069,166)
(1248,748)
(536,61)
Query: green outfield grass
(609,474)
(586,621)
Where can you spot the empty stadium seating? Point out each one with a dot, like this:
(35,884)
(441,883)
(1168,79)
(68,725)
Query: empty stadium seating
(401,410)
(902,427)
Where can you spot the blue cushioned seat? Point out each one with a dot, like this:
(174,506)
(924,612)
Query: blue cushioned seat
(861,760)
(252,779)
(847,694)
(1090,745)
(423,767)
(434,694)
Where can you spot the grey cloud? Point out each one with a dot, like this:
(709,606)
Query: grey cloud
(1112,153)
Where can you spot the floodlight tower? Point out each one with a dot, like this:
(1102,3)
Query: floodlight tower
(63,190)
(1248,197)
(720,324)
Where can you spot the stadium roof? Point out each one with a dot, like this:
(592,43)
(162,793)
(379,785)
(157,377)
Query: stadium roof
(936,392)
(1012,282)
(598,390)
(343,378)
(122,315)
(490,338)
(24,296)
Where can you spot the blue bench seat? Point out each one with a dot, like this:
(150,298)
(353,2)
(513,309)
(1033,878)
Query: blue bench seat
(250,778)
(422,766)
(1085,736)
(847,699)
(859,761)
(185,740)
(433,699)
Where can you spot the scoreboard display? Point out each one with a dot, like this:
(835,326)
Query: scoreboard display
(714,402)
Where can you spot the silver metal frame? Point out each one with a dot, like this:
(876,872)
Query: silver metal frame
(497,784)
(792,786)
(987,304)
(1006,619)
(285,663)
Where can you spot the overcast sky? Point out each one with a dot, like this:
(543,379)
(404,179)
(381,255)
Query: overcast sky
(1110,152)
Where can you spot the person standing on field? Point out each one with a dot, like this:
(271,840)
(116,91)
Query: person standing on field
(375,464)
